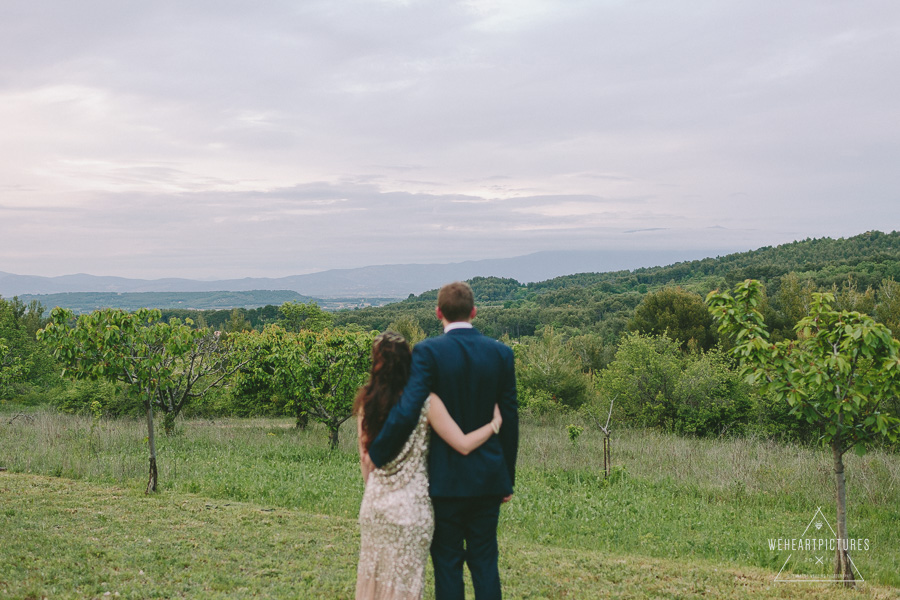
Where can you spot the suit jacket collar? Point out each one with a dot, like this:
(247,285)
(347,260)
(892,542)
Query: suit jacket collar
(457,325)
(463,331)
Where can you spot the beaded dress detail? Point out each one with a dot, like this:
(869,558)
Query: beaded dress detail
(396,523)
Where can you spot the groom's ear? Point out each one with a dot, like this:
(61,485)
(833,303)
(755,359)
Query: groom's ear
(474,312)
(438,313)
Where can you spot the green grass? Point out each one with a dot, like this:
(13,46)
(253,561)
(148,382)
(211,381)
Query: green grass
(72,539)
(244,495)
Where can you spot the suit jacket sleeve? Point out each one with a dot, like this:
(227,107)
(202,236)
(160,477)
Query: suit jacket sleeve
(509,410)
(405,414)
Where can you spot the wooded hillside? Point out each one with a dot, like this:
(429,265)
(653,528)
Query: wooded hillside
(603,303)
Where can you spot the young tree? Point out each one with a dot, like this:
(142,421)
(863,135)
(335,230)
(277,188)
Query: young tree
(337,364)
(206,363)
(318,372)
(605,429)
(165,364)
(838,374)
(278,368)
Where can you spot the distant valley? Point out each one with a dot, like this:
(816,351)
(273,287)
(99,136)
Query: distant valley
(84,302)
(364,283)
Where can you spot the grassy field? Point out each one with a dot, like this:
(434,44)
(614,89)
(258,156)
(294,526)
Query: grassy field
(254,508)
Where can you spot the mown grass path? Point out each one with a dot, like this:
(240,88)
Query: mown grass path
(63,538)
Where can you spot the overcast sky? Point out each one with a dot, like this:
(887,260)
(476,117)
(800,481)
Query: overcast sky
(230,139)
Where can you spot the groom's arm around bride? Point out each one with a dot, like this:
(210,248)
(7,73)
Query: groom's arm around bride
(470,373)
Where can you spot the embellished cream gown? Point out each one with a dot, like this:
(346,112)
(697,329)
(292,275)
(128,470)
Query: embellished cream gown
(396,523)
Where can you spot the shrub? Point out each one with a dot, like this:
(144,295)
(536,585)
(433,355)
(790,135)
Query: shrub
(642,378)
(710,397)
(113,399)
(547,365)
(540,403)
(772,418)
(656,385)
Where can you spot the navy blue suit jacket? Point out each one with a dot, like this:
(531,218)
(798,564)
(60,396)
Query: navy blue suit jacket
(470,372)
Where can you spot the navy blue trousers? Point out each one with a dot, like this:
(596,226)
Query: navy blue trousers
(465,531)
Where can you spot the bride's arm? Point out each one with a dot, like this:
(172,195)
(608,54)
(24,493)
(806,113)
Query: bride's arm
(444,425)
(365,465)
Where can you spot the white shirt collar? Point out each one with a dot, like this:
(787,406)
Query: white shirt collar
(457,325)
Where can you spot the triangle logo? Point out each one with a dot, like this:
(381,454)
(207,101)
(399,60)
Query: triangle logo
(810,557)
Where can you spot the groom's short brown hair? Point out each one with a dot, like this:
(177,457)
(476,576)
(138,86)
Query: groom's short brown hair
(456,301)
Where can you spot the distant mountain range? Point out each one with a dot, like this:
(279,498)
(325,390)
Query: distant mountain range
(386,281)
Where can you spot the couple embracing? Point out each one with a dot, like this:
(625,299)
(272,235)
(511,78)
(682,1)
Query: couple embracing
(437,493)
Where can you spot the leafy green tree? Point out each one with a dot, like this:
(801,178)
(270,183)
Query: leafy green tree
(408,326)
(277,370)
(165,364)
(546,365)
(838,374)
(27,362)
(256,389)
(206,363)
(318,372)
(112,396)
(10,367)
(296,317)
(237,322)
(337,364)
(677,313)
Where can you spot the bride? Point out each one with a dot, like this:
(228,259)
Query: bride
(396,519)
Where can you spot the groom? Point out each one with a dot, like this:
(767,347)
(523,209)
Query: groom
(470,373)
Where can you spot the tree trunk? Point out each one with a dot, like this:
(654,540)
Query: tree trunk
(302,420)
(607,460)
(843,570)
(333,435)
(154,475)
(169,423)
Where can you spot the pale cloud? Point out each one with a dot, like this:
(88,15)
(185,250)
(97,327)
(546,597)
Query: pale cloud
(566,209)
(198,139)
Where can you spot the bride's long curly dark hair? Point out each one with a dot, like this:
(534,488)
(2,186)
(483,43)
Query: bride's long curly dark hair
(391,359)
